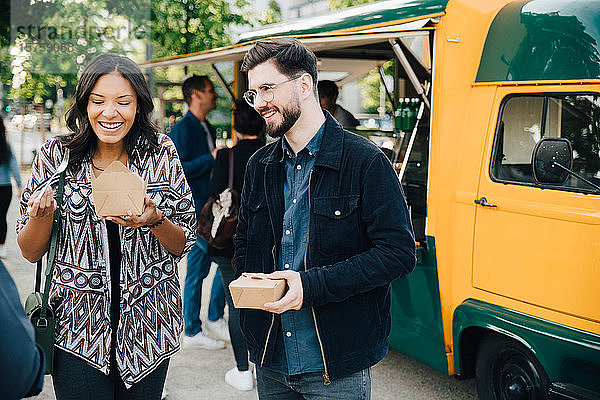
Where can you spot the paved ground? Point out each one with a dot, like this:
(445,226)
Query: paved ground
(198,374)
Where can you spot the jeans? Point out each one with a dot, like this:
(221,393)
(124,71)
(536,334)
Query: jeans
(198,266)
(240,351)
(275,386)
(75,379)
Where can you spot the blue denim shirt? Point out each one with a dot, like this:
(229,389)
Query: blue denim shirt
(300,352)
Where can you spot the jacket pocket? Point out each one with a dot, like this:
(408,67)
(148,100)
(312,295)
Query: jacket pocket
(337,223)
(258,218)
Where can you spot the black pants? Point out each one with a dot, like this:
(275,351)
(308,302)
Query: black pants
(5,198)
(240,350)
(74,379)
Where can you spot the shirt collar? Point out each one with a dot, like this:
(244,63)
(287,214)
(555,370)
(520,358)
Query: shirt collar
(313,146)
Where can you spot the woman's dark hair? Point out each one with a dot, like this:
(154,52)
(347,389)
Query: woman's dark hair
(247,121)
(82,140)
(290,56)
(4,149)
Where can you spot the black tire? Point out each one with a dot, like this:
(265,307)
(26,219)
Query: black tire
(506,370)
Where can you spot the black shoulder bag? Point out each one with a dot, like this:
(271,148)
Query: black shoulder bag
(38,310)
(218,218)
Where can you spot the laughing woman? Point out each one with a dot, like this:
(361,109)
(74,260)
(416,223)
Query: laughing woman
(115,285)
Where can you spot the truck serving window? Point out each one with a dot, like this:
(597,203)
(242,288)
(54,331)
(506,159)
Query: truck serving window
(524,120)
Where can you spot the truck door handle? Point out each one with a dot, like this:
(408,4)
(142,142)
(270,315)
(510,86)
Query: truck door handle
(483,202)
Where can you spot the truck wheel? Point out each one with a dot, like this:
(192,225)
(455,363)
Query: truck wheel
(506,370)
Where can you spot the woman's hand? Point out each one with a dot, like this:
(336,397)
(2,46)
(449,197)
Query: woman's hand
(41,205)
(151,215)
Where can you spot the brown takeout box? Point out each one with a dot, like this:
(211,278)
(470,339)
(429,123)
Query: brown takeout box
(253,290)
(117,190)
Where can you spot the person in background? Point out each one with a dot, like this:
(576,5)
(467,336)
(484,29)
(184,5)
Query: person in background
(8,168)
(323,209)
(328,94)
(115,287)
(194,139)
(172,120)
(249,130)
(22,363)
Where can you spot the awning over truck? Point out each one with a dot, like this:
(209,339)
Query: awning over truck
(363,32)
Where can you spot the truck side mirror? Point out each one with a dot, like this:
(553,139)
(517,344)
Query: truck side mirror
(547,153)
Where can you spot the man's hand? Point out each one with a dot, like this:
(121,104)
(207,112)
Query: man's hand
(294,297)
(150,216)
(216,149)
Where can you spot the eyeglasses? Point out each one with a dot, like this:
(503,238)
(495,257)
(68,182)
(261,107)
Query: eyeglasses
(265,92)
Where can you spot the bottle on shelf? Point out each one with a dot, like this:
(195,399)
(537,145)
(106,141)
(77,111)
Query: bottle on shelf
(398,115)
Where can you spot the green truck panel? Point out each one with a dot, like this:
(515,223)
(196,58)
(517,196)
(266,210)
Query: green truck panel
(543,40)
(416,312)
(567,354)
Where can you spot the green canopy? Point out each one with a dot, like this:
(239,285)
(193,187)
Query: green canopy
(380,13)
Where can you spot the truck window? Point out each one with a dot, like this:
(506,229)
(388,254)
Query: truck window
(524,120)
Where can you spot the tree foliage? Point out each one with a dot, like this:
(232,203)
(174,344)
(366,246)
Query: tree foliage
(340,4)
(187,26)
(272,14)
(370,89)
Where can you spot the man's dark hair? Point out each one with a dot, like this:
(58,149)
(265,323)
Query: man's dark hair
(291,57)
(247,121)
(328,89)
(194,82)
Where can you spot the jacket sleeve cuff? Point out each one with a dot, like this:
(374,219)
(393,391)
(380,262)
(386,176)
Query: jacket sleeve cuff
(307,297)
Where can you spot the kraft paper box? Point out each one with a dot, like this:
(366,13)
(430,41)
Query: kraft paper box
(254,290)
(117,190)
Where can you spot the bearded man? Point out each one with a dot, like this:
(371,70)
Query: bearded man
(323,209)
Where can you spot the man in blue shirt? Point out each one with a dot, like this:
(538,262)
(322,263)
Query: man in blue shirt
(324,210)
(194,139)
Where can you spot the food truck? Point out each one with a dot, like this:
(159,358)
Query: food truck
(500,168)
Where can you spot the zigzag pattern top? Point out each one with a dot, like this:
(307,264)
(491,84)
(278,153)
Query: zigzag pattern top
(151,317)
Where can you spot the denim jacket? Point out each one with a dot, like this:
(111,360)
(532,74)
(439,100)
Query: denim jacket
(360,239)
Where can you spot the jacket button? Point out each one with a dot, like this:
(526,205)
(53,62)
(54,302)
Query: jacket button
(288,334)
(337,212)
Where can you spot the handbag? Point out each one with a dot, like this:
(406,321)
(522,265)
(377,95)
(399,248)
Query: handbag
(219,216)
(38,310)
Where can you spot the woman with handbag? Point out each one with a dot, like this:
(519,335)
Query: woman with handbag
(115,288)
(249,127)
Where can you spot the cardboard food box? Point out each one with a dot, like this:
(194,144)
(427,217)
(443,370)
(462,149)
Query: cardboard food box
(253,290)
(117,190)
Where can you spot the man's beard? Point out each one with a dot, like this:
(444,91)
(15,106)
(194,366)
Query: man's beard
(289,115)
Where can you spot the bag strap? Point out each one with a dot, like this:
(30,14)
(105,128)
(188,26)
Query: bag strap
(38,276)
(52,250)
(230,169)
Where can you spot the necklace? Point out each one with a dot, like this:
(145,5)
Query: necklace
(99,169)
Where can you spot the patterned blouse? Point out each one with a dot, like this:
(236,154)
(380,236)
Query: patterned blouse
(151,308)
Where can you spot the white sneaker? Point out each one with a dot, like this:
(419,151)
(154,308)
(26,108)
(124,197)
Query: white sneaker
(203,341)
(218,329)
(3,252)
(241,380)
